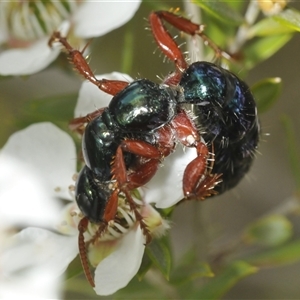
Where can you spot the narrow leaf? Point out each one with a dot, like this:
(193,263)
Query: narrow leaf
(203,270)
(286,254)
(160,255)
(266,92)
(189,268)
(264,48)
(221,11)
(74,269)
(220,284)
(268,26)
(186,274)
(272,230)
(144,268)
(289,18)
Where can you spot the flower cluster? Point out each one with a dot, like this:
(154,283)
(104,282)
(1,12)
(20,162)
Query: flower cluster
(49,154)
(26,26)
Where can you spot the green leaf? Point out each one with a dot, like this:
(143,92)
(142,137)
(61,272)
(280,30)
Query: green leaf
(289,18)
(187,274)
(136,290)
(272,230)
(189,269)
(74,269)
(160,255)
(293,150)
(268,26)
(263,48)
(286,254)
(144,268)
(203,270)
(237,5)
(221,11)
(166,212)
(266,92)
(220,284)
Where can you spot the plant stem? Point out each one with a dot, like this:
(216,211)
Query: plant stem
(194,44)
(241,37)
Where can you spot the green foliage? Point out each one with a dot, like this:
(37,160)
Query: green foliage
(266,27)
(222,11)
(219,285)
(269,231)
(248,40)
(263,48)
(159,253)
(289,18)
(285,254)
(190,269)
(266,92)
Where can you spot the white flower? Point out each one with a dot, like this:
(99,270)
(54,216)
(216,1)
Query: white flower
(46,148)
(28,197)
(26,26)
(50,154)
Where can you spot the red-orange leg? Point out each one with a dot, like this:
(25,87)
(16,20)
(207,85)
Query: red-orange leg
(146,170)
(206,187)
(142,173)
(198,182)
(167,44)
(83,246)
(111,87)
(82,227)
(78,124)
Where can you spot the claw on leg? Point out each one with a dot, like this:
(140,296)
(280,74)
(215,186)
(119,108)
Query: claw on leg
(198,182)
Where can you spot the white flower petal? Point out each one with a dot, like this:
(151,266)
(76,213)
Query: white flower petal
(165,188)
(35,249)
(116,270)
(23,198)
(50,151)
(40,284)
(91,98)
(97,18)
(29,60)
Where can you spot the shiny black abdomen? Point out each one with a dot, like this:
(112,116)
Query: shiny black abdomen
(99,145)
(92,195)
(226,116)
